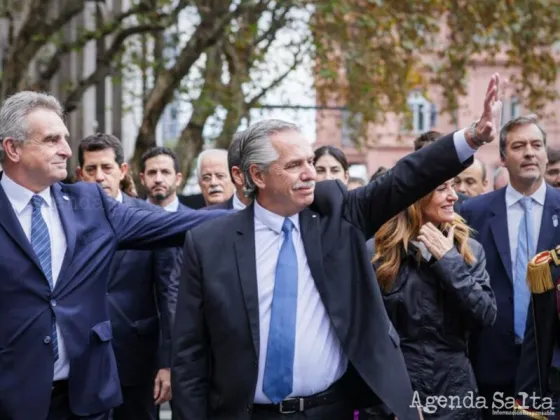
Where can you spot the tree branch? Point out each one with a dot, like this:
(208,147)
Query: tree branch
(105,67)
(87,36)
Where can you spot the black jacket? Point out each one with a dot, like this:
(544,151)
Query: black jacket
(434,307)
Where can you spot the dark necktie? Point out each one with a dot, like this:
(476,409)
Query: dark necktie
(41,243)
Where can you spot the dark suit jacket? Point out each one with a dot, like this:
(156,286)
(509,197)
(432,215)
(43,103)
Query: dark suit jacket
(226,205)
(142,290)
(460,200)
(493,352)
(95,226)
(193,201)
(541,336)
(182,207)
(216,336)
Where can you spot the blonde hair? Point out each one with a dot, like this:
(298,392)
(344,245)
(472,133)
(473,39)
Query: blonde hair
(393,238)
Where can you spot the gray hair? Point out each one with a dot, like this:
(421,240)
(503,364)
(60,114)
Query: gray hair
(207,153)
(497,173)
(14,112)
(234,153)
(256,149)
(512,125)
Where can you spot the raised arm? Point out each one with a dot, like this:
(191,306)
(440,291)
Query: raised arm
(419,173)
(138,228)
(413,177)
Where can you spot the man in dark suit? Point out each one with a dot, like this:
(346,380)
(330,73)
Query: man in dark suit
(141,291)
(160,175)
(512,224)
(238,200)
(287,317)
(536,375)
(58,242)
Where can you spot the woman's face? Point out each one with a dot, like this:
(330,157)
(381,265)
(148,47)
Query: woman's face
(328,167)
(440,207)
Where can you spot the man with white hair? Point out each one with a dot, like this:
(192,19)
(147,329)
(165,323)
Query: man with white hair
(213,176)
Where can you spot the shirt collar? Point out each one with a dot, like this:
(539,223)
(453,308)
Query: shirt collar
(272,220)
(237,204)
(119,197)
(513,196)
(20,196)
(173,206)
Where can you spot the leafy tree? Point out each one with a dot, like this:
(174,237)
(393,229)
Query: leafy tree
(386,48)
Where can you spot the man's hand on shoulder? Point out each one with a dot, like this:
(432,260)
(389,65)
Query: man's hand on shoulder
(486,129)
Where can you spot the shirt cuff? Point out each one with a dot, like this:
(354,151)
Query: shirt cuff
(464,150)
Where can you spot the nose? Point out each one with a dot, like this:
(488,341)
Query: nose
(460,187)
(65,150)
(452,197)
(214,181)
(99,174)
(159,178)
(310,174)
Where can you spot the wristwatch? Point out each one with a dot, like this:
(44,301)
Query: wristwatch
(472,129)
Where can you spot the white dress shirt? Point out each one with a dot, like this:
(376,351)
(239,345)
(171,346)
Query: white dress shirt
(171,207)
(318,359)
(237,204)
(515,213)
(20,199)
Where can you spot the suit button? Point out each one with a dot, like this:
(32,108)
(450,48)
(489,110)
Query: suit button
(47,340)
(53,303)
(511,298)
(256,363)
(249,408)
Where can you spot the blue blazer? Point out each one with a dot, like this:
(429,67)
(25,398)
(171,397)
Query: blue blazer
(142,291)
(95,227)
(492,351)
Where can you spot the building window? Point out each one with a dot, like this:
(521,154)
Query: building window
(349,128)
(424,113)
(511,109)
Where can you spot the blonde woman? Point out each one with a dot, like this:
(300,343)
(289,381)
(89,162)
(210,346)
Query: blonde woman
(436,291)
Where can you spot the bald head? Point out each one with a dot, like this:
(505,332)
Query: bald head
(213,176)
(501,178)
(472,181)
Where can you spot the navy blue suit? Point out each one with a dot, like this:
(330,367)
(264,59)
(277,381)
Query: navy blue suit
(142,291)
(95,227)
(493,352)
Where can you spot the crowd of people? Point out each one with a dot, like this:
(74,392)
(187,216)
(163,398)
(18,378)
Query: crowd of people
(296,292)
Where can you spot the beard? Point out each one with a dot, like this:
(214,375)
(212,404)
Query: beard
(160,196)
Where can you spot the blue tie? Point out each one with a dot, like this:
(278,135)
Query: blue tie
(278,371)
(41,243)
(525,251)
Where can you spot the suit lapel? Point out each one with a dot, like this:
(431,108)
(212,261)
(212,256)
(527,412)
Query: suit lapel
(311,235)
(66,214)
(11,224)
(499,226)
(247,270)
(548,230)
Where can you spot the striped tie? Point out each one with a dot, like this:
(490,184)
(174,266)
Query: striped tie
(41,243)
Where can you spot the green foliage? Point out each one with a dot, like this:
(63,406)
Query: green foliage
(387,48)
